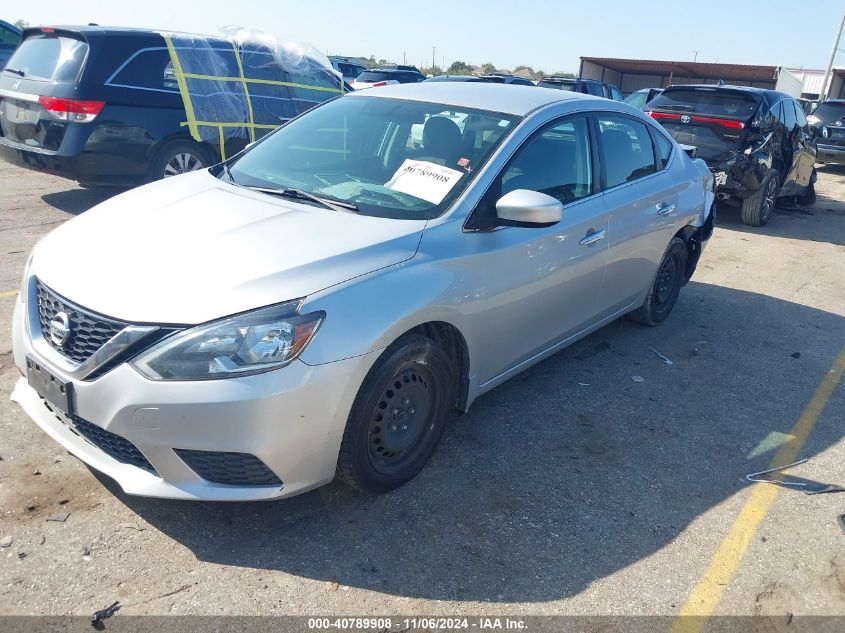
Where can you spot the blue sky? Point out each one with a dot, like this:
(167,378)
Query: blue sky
(544,34)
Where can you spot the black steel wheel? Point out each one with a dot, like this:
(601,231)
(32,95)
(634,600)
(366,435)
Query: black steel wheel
(666,287)
(398,416)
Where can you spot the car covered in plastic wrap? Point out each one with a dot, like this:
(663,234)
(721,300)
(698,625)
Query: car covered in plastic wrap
(120,107)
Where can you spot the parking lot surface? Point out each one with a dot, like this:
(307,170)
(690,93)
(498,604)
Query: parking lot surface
(572,489)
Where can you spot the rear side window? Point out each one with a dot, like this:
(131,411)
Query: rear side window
(732,103)
(615,94)
(49,57)
(149,69)
(789,119)
(662,148)
(799,114)
(557,162)
(628,153)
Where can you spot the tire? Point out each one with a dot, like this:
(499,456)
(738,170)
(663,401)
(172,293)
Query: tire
(398,416)
(757,209)
(667,285)
(178,157)
(809,196)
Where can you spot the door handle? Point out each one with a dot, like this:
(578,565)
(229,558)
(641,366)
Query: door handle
(665,208)
(592,238)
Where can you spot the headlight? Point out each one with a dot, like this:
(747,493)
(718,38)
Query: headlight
(249,343)
(825,132)
(813,119)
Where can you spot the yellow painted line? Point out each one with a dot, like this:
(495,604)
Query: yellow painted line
(8,293)
(708,592)
(183,89)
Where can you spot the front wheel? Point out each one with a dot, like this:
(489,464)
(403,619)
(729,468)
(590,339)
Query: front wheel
(398,416)
(759,206)
(666,287)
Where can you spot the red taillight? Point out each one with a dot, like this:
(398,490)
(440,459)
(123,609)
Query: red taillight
(72,109)
(378,83)
(48,29)
(695,118)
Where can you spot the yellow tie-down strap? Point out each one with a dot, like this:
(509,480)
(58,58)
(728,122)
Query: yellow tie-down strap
(193,124)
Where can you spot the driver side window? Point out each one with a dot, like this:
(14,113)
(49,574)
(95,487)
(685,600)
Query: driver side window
(556,161)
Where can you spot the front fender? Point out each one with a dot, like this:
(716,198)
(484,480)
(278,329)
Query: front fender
(370,312)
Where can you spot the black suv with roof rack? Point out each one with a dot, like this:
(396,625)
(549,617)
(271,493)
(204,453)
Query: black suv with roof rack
(585,86)
(827,123)
(756,141)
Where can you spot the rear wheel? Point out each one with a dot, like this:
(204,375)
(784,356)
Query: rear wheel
(758,207)
(178,157)
(398,417)
(667,285)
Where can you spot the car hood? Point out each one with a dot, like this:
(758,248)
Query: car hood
(190,249)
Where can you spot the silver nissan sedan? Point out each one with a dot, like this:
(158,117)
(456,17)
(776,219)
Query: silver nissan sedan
(320,304)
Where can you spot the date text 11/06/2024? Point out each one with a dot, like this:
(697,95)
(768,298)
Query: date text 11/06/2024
(417,623)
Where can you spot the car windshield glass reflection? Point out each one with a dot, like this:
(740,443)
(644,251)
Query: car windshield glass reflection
(389,157)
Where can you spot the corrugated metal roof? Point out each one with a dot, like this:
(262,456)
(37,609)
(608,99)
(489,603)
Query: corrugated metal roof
(697,70)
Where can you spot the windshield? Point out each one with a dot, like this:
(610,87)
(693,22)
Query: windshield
(390,157)
(560,85)
(830,111)
(50,57)
(732,103)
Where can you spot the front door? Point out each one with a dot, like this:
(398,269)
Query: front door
(543,284)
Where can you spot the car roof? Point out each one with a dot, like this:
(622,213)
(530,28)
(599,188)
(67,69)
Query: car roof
(495,97)
(772,96)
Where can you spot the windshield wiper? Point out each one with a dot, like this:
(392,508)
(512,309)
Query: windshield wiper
(16,71)
(288,192)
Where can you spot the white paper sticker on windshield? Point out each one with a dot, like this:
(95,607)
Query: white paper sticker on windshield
(424,180)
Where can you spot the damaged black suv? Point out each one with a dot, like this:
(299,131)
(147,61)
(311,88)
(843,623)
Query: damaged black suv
(756,142)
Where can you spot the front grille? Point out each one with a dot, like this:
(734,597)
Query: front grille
(113,445)
(233,469)
(88,331)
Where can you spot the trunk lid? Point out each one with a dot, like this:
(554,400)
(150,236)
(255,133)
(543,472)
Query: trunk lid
(48,63)
(713,119)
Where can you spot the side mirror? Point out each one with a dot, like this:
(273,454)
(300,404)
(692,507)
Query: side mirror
(529,209)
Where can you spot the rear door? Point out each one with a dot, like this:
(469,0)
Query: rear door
(803,151)
(712,119)
(641,195)
(45,67)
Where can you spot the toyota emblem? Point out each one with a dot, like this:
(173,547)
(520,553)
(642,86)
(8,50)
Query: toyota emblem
(685,118)
(60,329)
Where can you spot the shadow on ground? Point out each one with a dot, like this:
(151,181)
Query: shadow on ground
(79,200)
(548,485)
(792,221)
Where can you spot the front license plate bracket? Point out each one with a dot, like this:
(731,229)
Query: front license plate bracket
(57,392)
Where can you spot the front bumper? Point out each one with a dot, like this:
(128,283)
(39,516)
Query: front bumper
(830,154)
(291,419)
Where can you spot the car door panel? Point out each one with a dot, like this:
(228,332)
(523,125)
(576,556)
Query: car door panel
(642,200)
(544,283)
(540,285)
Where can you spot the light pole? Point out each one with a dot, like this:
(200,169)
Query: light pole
(823,94)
